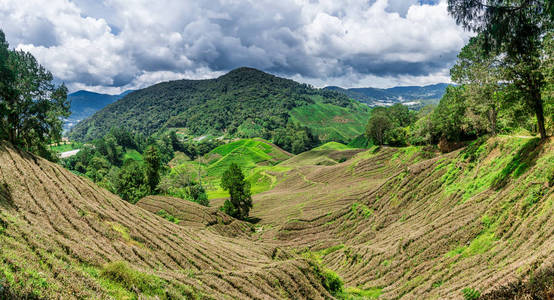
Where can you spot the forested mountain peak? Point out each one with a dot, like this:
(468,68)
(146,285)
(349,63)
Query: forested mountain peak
(245,102)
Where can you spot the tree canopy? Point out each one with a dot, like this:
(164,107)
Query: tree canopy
(515,28)
(238,187)
(31,105)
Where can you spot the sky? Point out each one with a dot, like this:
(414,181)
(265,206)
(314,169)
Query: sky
(111,46)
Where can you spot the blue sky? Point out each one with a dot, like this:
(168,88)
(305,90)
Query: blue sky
(114,45)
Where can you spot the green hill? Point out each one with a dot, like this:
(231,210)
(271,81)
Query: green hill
(243,103)
(256,157)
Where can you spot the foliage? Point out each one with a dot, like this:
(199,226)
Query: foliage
(448,119)
(243,103)
(481,73)
(180,183)
(388,125)
(330,280)
(361,141)
(131,183)
(193,149)
(295,139)
(31,106)
(234,182)
(515,29)
(471,294)
(153,167)
(164,214)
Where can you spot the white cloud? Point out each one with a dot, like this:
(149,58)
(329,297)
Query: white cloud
(113,45)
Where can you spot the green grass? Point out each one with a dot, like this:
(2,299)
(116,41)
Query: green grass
(361,209)
(353,293)
(333,146)
(134,155)
(162,213)
(478,176)
(330,122)
(66,147)
(360,142)
(256,157)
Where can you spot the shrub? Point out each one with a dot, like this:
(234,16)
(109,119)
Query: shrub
(332,282)
(471,294)
(164,214)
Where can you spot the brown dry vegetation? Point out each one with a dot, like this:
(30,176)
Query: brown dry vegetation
(404,222)
(59,231)
(430,228)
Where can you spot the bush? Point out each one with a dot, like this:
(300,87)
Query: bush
(332,282)
(471,294)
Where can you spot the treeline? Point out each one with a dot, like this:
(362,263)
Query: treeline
(31,105)
(134,166)
(504,82)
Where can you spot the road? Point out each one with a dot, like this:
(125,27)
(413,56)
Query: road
(69,153)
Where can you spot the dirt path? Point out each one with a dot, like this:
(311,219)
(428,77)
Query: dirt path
(69,153)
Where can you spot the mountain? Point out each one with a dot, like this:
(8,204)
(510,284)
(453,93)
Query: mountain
(243,103)
(401,94)
(84,104)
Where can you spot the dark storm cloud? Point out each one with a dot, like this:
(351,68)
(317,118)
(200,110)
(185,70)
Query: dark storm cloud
(119,44)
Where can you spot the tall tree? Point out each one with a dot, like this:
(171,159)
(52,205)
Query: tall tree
(516,28)
(31,105)
(153,166)
(378,125)
(481,73)
(239,189)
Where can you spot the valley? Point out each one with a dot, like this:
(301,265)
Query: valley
(277,150)
(355,217)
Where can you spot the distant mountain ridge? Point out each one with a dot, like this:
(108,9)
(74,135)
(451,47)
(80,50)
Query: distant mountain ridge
(242,103)
(399,94)
(84,104)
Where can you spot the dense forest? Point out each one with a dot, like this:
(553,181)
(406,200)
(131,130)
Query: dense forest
(243,103)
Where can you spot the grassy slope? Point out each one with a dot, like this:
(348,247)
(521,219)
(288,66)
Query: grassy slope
(63,237)
(64,147)
(256,157)
(422,228)
(332,122)
(391,222)
(333,146)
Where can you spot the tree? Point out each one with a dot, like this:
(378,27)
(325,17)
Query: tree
(515,28)
(31,106)
(131,184)
(234,182)
(180,183)
(378,125)
(448,120)
(481,74)
(153,166)
(547,68)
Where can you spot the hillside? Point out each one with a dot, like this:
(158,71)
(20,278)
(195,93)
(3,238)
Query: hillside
(390,222)
(243,103)
(256,157)
(84,104)
(399,94)
(63,237)
(403,223)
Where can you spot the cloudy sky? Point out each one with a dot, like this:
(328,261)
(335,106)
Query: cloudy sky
(114,45)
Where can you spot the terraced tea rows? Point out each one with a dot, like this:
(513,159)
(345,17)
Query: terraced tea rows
(477,218)
(61,234)
(391,222)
